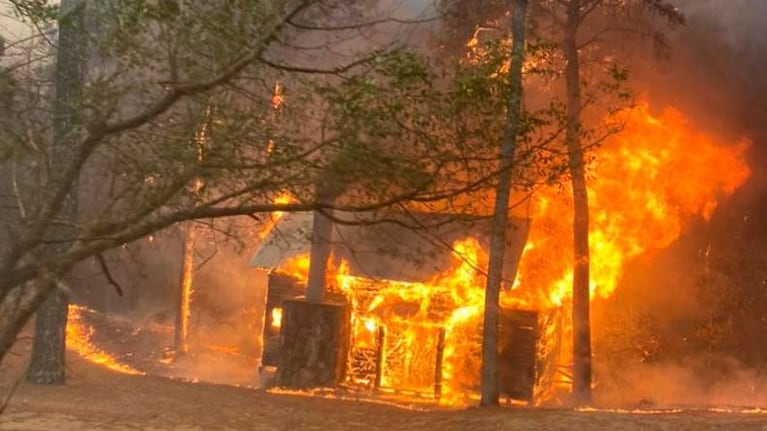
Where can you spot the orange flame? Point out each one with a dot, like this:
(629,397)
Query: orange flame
(79,339)
(645,185)
(276,317)
(275,216)
(296,267)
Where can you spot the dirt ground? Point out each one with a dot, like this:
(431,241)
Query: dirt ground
(99,399)
(96,398)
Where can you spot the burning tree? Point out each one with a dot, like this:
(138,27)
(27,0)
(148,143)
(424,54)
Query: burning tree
(573,15)
(513,133)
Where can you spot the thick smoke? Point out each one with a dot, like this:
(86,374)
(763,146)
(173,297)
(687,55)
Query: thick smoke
(716,65)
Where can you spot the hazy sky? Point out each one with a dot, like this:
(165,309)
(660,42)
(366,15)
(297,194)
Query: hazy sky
(741,20)
(10,27)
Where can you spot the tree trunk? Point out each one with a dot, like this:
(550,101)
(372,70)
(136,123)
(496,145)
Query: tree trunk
(322,231)
(314,344)
(183,306)
(489,383)
(581,296)
(47,364)
(16,307)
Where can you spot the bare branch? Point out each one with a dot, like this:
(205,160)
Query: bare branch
(105,270)
(16,193)
(310,70)
(357,26)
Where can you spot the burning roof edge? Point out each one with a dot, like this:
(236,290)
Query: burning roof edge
(394,246)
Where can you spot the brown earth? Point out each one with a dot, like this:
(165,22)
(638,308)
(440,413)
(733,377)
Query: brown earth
(99,399)
(95,398)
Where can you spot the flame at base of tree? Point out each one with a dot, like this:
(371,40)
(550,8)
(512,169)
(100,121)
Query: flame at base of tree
(645,185)
(79,340)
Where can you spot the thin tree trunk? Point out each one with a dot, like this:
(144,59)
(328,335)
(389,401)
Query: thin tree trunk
(183,308)
(47,364)
(489,383)
(322,230)
(581,296)
(186,290)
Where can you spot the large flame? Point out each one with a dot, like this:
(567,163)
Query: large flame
(645,185)
(296,266)
(414,314)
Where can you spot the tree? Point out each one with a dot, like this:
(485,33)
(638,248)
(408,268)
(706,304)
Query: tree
(581,279)
(183,307)
(575,13)
(489,379)
(184,297)
(47,360)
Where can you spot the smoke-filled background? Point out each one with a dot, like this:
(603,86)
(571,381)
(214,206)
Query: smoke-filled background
(685,324)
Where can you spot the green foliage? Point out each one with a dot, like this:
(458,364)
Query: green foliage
(410,123)
(403,127)
(40,12)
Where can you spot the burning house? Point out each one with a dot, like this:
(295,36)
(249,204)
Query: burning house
(414,298)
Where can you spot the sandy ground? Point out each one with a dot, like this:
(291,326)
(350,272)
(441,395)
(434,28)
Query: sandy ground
(99,399)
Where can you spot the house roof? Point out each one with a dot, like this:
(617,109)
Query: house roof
(408,247)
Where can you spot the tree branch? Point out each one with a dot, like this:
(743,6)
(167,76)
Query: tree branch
(105,270)
(310,70)
(360,25)
(99,130)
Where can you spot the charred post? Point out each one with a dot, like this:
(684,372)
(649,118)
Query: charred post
(314,343)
